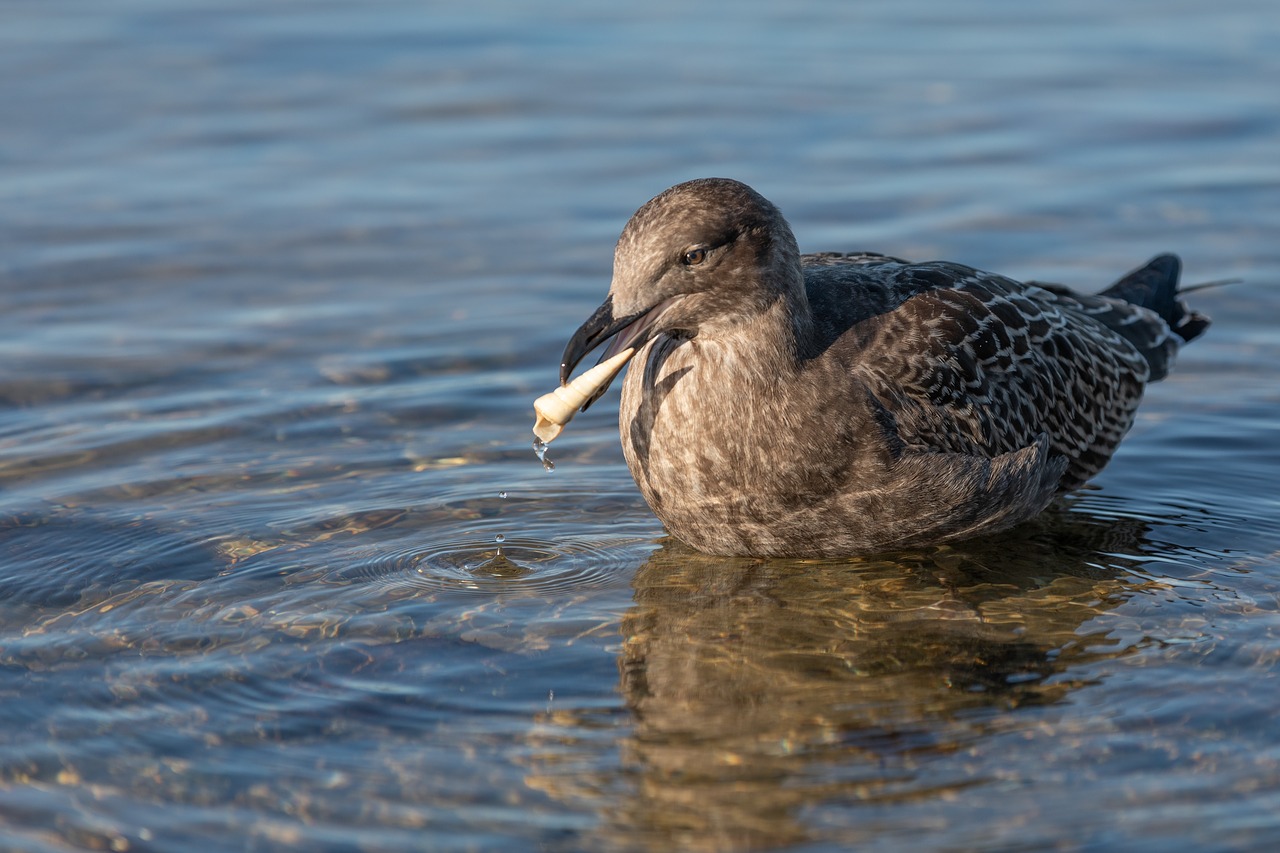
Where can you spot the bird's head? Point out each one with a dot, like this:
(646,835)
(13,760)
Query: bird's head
(696,259)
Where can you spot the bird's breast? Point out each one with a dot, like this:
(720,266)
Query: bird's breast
(709,424)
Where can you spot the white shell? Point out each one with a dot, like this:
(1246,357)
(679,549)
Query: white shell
(556,409)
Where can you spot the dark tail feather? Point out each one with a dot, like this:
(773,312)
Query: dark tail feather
(1154,285)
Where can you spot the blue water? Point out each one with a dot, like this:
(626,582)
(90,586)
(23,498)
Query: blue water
(281,281)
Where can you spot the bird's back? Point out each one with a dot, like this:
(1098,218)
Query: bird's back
(971,362)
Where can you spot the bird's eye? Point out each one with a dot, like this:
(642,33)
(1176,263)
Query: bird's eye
(695,256)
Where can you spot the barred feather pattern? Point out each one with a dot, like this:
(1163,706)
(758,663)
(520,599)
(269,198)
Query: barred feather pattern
(973,362)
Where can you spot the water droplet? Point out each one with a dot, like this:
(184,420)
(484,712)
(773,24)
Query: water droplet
(502,495)
(500,538)
(540,448)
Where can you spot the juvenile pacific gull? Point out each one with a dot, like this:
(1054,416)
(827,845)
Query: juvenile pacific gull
(839,404)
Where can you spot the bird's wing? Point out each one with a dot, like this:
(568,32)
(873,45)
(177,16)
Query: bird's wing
(977,364)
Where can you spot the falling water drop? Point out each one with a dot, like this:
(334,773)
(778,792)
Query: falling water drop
(502,495)
(500,538)
(540,448)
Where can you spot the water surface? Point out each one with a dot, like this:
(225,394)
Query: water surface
(281,282)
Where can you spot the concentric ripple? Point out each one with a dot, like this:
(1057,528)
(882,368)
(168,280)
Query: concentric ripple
(524,565)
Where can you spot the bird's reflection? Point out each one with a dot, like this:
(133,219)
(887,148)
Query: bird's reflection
(760,688)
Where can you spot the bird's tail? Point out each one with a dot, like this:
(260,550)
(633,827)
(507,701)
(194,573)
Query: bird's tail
(1154,285)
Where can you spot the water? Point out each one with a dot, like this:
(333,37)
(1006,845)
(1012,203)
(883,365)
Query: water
(281,282)
(540,449)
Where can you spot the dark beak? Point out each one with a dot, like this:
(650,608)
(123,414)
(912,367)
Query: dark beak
(633,330)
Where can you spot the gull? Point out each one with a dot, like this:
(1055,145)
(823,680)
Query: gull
(838,404)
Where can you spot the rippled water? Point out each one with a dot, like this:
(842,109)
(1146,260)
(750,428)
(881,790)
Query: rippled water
(278,567)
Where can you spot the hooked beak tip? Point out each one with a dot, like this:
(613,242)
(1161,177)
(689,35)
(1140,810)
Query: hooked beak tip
(588,336)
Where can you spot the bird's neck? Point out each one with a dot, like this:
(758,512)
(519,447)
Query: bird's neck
(789,323)
(768,342)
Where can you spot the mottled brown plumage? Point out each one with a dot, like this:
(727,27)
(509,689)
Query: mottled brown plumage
(836,404)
